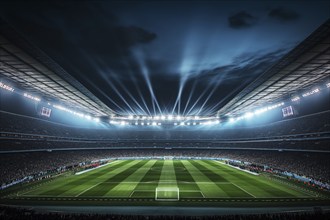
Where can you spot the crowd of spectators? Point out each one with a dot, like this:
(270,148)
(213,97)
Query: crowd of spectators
(313,125)
(15,166)
(10,213)
(31,144)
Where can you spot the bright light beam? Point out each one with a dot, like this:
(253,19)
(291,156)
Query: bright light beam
(203,93)
(130,95)
(92,62)
(212,109)
(145,73)
(118,93)
(190,95)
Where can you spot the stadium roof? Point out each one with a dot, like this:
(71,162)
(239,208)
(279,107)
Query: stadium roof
(303,67)
(34,71)
(306,65)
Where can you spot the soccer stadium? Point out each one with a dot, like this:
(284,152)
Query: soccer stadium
(165,110)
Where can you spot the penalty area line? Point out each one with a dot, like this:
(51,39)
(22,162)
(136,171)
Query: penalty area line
(244,190)
(87,189)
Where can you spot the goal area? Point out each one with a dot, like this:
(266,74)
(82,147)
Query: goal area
(167,194)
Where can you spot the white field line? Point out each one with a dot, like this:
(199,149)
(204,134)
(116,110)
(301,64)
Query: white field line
(85,171)
(87,189)
(244,190)
(295,188)
(202,194)
(31,190)
(248,171)
(140,191)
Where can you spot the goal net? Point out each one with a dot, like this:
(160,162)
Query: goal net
(167,194)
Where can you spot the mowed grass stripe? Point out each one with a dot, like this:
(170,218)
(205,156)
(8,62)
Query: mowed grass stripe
(126,187)
(231,190)
(60,186)
(184,178)
(148,184)
(260,186)
(94,180)
(108,184)
(210,190)
(167,177)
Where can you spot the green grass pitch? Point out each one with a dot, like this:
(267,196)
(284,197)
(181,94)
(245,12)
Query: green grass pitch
(158,181)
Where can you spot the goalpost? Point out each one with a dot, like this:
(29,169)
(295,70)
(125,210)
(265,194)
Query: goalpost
(167,194)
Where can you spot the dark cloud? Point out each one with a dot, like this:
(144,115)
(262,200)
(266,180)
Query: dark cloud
(243,68)
(83,26)
(242,20)
(283,14)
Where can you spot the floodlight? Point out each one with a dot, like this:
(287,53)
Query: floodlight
(248,115)
(130,117)
(182,123)
(163,117)
(170,117)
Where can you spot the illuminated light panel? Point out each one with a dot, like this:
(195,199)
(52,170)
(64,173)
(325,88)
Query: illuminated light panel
(260,111)
(182,123)
(314,91)
(31,97)
(170,117)
(231,119)
(295,99)
(248,115)
(6,87)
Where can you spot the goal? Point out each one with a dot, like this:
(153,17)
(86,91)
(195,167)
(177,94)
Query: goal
(167,194)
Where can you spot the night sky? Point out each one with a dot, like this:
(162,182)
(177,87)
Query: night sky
(169,57)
